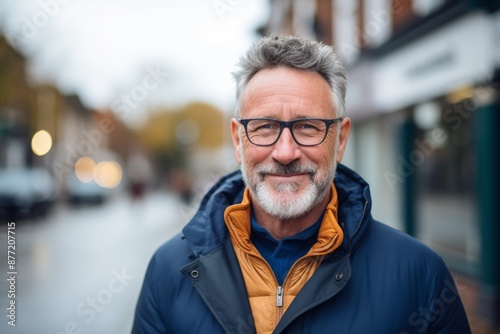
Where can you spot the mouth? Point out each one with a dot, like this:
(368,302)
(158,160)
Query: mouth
(287,173)
(292,177)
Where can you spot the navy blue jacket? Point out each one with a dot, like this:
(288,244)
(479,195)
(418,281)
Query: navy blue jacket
(379,281)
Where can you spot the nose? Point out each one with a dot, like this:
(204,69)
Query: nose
(286,149)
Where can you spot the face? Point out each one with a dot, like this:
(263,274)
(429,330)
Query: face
(287,180)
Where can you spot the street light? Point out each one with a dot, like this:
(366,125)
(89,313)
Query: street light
(41,143)
(108,174)
(84,169)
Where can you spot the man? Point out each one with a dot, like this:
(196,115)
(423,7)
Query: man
(288,245)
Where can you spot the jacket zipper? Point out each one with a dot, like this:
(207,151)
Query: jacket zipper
(279,297)
(279,303)
(279,292)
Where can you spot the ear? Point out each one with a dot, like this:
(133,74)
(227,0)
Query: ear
(345,130)
(236,138)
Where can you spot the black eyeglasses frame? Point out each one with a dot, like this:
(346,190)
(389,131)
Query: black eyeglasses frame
(289,124)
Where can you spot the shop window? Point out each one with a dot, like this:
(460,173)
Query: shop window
(445,156)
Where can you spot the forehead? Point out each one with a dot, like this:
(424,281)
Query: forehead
(289,93)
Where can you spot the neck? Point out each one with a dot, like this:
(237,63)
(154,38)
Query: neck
(283,228)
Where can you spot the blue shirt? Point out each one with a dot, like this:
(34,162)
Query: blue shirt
(282,254)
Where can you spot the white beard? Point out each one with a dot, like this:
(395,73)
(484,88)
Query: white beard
(283,200)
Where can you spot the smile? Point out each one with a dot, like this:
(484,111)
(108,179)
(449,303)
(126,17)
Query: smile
(294,177)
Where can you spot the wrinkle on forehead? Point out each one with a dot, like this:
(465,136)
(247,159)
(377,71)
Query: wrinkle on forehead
(287,92)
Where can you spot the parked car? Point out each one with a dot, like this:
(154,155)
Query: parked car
(26,192)
(78,192)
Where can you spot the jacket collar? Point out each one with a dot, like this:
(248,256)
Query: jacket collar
(354,205)
(207,230)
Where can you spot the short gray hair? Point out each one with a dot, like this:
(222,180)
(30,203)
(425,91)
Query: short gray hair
(293,52)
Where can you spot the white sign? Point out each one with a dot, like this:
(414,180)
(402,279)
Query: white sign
(459,53)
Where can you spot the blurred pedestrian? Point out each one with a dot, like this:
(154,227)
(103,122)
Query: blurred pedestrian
(179,182)
(288,244)
(139,174)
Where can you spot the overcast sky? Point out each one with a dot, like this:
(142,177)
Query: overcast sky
(131,53)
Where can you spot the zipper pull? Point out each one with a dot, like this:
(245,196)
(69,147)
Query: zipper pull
(279,297)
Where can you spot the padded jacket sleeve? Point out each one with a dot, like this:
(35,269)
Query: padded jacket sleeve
(444,312)
(147,316)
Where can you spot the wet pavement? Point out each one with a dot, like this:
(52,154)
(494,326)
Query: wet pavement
(80,270)
(469,292)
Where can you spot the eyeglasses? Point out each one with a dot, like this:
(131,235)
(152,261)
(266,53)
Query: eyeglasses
(305,131)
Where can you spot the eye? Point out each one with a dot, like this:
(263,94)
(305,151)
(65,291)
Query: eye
(266,126)
(309,125)
(262,125)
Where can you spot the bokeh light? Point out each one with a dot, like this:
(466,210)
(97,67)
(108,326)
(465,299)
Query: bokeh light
(84,169)
(41,143)
(108,174)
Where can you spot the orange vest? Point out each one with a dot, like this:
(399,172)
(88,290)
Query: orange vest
(269,301)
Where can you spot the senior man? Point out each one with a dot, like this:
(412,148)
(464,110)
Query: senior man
(288,244)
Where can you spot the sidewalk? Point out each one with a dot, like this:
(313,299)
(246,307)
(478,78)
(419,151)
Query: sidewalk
(468,289)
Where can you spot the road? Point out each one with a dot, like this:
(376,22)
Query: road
(80,270)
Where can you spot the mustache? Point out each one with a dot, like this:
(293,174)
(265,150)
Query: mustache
(291,168)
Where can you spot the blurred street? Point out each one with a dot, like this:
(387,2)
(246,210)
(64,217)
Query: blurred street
(83,268)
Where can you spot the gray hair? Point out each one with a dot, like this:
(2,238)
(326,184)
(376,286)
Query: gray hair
(293,52)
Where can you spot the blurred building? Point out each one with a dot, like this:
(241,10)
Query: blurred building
(423,97)
(25,108)
(44,130)
(28,127)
